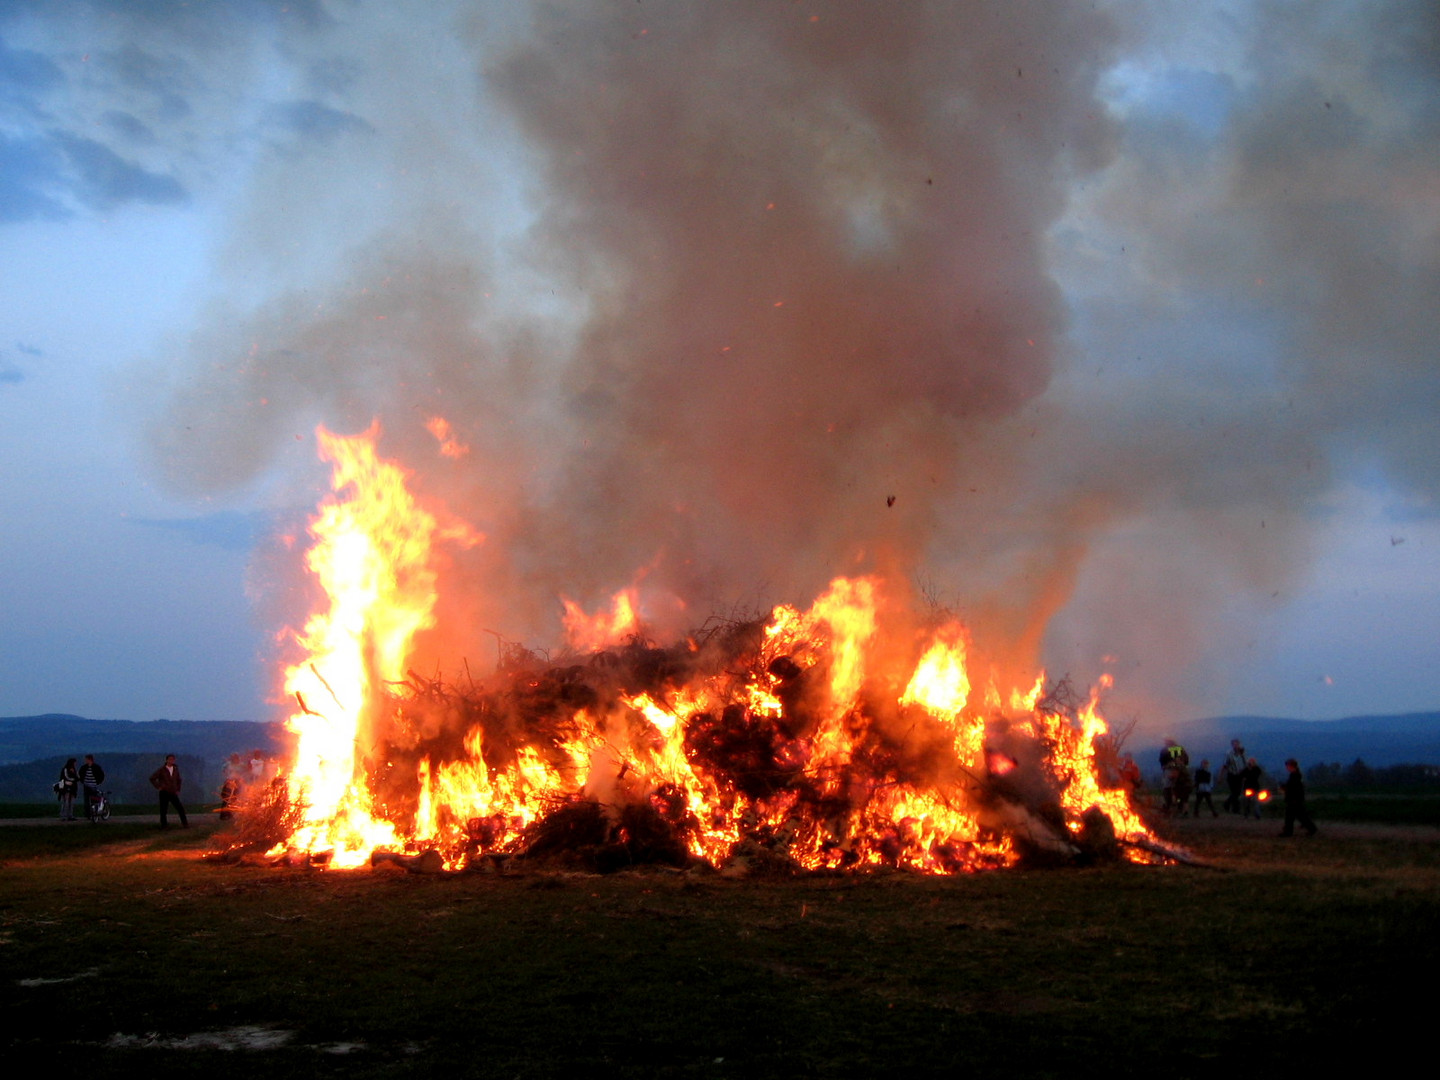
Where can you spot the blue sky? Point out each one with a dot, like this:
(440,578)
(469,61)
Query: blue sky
(1132,310)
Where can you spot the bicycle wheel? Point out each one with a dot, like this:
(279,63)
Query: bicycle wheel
(104,809)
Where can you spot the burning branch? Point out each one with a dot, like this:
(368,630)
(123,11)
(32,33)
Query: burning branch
(334,696)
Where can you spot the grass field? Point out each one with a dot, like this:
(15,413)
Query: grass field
(1386,807)
(120,947)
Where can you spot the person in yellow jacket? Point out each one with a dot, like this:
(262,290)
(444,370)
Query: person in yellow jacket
(1175,767)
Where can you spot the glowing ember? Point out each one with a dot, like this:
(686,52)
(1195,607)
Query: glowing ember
(806,739)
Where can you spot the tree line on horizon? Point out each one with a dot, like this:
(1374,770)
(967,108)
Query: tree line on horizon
(1359,775)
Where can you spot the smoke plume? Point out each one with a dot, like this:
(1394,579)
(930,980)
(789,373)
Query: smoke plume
(1028,302)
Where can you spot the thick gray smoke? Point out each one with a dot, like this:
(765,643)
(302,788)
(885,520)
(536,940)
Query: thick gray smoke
(798,252)
(742,296)
(809,241)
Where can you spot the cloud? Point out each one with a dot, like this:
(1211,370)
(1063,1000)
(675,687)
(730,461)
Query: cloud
(166,82)
(30,171)
(46,171)
(163,97)
(208,23)
(201,26)
(313,121)
(102,178)
(230,530)
(129,127)
(24,76)
(11,372)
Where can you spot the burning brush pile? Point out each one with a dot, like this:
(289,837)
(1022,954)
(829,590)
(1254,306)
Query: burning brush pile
(838,737)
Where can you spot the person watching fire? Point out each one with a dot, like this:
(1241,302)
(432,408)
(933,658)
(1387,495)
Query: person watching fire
(1294,789)
(66,787)
(1234,773)
(1250,784)
(166,780)
(91,777)
(1175,765)
(1203,783)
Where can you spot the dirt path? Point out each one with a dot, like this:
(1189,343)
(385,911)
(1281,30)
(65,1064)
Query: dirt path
(1180,828)
(152,818)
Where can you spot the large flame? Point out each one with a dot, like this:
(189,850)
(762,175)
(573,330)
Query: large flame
(373,557)
(804,737)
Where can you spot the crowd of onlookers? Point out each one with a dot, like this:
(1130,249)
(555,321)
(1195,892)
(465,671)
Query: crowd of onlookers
(83,783)
(1184,791)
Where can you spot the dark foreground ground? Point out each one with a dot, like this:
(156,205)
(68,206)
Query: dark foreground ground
(120,949)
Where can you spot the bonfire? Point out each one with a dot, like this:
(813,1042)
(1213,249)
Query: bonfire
(843,736)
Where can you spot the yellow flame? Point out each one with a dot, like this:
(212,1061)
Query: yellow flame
(372,555)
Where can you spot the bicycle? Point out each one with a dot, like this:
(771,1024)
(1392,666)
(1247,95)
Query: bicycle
(97,806)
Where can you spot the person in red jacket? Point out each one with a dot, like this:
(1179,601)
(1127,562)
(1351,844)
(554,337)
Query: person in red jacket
(166,780)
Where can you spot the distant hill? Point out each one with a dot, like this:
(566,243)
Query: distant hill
(1408,738)
(32,749)
(28,738)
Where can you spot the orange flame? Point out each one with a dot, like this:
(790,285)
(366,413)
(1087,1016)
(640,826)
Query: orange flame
(805,738)
(450,446)
(587,633)
(372,555)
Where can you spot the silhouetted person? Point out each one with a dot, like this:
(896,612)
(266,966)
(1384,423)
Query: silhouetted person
(1175,766)
(1130,774)
(1250,780)
(1203,782)
(166,780)
(66,787)
(1234,773)
(1295,801)
(229,793)
(91,777)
